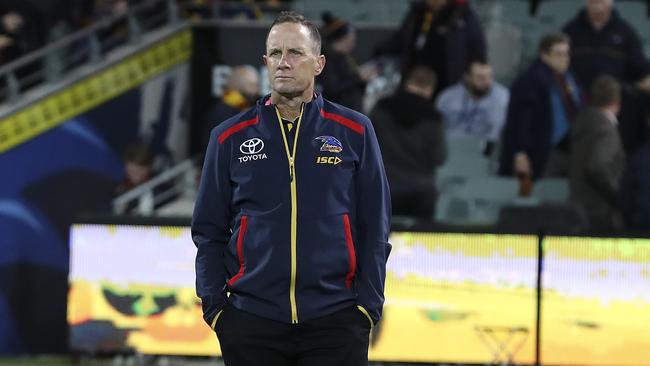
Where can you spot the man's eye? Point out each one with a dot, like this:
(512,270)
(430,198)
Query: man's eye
(274,53)
(295,52)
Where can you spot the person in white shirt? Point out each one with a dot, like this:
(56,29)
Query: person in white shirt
(475,106)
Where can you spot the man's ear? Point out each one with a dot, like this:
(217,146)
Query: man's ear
(320,64)
(264,59)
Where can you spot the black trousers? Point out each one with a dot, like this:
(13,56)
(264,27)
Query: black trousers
(338,339)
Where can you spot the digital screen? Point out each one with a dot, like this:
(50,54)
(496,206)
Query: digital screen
(132,289)
(456,298)
(595,301)
(459,298)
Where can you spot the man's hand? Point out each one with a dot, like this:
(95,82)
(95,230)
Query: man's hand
(521,164)
(5,42)
(644,84)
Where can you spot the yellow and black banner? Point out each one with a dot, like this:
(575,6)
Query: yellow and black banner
(94,90)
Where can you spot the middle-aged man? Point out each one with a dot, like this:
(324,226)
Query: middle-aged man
(597,158)
(604,43)
(292,219)
(544,101)
(476,106)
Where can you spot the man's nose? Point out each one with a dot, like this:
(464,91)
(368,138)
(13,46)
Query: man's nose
(284,62)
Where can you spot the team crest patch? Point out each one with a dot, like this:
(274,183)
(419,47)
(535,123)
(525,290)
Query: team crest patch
(330,144)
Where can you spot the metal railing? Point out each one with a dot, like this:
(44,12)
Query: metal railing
(178,181)
(87,46)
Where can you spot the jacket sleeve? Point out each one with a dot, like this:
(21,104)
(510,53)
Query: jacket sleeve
(600,164)
(637,66)
(210,228)
(372,226)
(517,137)
(629,187)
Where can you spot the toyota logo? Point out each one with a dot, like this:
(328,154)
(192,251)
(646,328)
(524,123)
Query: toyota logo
(251,146)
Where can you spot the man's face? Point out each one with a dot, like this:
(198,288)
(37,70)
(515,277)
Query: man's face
(291,60)
(250,85)
(598,8)
(479,79)
(348,42)
(558,57)
(137,173)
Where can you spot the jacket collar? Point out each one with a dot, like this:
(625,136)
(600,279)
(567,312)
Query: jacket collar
(266,109)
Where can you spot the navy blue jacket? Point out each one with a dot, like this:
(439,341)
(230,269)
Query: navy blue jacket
(614,50)
(292,244)
(635,190)
(529,122)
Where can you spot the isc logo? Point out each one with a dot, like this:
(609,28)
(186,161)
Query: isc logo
(328,160)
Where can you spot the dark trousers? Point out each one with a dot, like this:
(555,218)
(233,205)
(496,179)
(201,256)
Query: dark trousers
(338,339)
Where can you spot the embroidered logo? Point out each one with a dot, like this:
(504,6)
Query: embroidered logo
(328,160)
(330,144)
(251,146)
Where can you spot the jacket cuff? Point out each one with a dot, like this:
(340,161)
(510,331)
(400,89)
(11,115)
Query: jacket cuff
(212,305)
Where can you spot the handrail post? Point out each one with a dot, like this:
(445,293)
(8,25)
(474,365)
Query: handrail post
(135,31)
(13,87)
(172,12)
(95,48)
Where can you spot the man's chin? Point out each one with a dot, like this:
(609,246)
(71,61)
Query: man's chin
(289,94)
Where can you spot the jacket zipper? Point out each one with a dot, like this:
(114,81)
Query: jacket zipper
(291,157)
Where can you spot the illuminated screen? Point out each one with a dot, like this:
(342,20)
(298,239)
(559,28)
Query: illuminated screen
(459,298)
(132,289)
(596,301)
(465,298)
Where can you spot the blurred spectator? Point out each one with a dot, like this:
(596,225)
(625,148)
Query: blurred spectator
(544,100)
(22,29)
(604,43)
(597,157)
(635,190)
(250,9)
(476,106)
(342,81)
(138,166)
(442,34)
(240,93)
(412,139)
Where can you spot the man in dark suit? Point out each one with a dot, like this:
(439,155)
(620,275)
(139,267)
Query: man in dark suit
(544,101)
(597,157)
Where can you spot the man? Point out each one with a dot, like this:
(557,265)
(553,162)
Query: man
(476,106)
(597,157)
(604,43)
(240,93)
(544,101)
(343,81)
(292,219)
(442,34)
(412,138)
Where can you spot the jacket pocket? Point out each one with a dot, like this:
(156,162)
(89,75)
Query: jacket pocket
(326,255)
(243,226)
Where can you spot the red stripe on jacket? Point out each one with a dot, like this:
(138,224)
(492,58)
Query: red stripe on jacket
(354,126)
(240,250)
(238,127)
(351,254)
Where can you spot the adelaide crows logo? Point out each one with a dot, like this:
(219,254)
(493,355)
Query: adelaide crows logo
(330,144)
